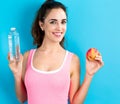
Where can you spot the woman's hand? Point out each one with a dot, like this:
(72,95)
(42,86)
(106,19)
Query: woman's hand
(16,66)
(93,66)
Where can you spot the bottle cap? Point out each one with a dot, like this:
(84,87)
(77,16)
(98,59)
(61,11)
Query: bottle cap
(12,28)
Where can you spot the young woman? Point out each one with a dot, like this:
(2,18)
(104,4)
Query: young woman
(50,74)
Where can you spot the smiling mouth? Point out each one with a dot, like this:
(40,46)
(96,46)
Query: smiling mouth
(57,34)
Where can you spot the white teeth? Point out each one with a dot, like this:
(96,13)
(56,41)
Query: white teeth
(57,33)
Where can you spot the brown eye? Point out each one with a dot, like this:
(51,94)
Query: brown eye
(64,22)
(52,22)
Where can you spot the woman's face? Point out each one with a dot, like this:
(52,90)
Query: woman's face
(54,25)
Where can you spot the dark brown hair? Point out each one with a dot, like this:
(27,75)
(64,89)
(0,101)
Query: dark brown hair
(45,8)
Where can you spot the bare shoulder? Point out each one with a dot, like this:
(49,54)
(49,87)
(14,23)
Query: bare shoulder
(75,64)
(26,54)
(75,58)
(74,76)
(24,64)
(25,57)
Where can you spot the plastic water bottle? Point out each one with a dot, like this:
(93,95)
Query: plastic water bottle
(14,44)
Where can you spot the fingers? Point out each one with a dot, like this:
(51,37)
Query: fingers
(20,58)
(99,59)
(8,57)
(9,60)
(13,59)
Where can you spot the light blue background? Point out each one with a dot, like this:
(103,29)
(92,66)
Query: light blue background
(91,23)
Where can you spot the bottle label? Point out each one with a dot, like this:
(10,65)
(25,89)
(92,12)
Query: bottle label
(14,45)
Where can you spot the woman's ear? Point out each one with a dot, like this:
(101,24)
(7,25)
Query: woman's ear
(41,25)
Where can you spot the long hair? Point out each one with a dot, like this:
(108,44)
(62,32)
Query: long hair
(44,10)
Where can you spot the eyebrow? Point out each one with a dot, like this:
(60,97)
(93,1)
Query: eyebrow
(57,20)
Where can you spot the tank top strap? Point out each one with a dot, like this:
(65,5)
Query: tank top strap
(68,60)
(70,54)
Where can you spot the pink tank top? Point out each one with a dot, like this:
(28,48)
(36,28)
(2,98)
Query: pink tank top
(48,87)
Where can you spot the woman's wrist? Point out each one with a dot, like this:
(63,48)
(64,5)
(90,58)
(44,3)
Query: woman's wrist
(89,76)
(17,77)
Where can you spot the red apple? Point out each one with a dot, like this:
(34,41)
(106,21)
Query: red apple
(92,53)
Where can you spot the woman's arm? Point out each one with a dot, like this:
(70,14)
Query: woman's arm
(81,93)
(20,90)
(78,92)
(18,69)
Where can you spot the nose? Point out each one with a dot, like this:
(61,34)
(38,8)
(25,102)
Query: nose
(59,26)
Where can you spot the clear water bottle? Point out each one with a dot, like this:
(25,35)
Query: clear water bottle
(14,44)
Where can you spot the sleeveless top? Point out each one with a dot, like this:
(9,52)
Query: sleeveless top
(48,87)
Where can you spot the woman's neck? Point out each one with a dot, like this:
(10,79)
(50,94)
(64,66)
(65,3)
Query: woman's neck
(50,47)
